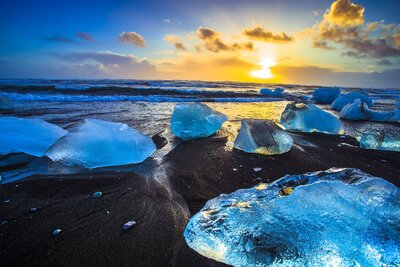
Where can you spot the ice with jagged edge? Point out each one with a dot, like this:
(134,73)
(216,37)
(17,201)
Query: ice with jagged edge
(262,137)
(325,95)
(29,136)
(332,218)
(96,143)
(191,121)
(300,117)
(5,103)
(277,92)
(385,139)
(359,110)
(349,98)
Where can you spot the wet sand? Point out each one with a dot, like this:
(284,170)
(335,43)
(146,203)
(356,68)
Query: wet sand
(189,175)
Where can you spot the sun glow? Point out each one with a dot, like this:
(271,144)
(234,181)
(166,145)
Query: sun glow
(264,72)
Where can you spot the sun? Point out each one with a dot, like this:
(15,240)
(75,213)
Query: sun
(265,69)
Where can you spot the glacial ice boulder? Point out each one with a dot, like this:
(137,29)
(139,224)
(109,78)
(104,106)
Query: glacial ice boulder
(263,137)
(97,143)
(191,121)
(359,110)
(349,98)
(380,140)
(29,136)
(277,92)
(330,218)
(325,95)
(5,103)
(299,117)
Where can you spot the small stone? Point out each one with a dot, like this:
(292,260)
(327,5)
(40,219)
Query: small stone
(257,169)
(56,232)
(128,225)
(97,194)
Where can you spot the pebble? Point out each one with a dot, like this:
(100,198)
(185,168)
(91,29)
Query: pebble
(97,194)
(128,225)
(56,232)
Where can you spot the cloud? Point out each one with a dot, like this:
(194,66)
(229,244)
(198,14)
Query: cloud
(384,62)
(180,46)
(212,42)
(166,20)
(176,41)
(85,36)
(313,75)
(344,13)
(133,38)
(59,39)
(344,24)
(261,34)
(110,64)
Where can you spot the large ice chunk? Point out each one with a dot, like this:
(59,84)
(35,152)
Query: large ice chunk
(330,218)
(97,143)
(191,121)
(5,103)
(277,92)
(359,110)
(29,136)
(349,98)
(263,137)
(301,117)
(325,95)
(380,140)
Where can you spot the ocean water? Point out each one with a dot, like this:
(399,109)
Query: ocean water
(148,104)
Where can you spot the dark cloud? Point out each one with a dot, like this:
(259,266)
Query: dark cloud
(180,46)
(133,38)
(85,36)
(59,38)
(262,34)
(212,42)
(110,64)
(322,44)
(344,24)
(384,62)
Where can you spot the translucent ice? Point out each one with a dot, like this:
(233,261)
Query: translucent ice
(97,143)
(263,137)
(380,140)
(309,118)
(325,95)
(331,218)
(29,136)
(191,121)
(360,111)
(349,98)
(277,92)
(5,103)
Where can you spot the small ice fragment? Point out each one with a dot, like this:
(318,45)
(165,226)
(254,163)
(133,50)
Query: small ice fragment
(359,110)
(29,136)
(4,222)
(56,232)
(128,225)
(234,169)
(97,143)
(349,98)
(278,92)
(7,201)
(325,95)
(263,137)
(257,169)
(97,194)
(380,140)
(191,121)
(34,209)
(299,117)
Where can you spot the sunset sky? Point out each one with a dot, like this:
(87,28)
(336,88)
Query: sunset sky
(313,42)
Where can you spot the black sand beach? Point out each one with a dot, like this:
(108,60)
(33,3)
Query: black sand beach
(192,173)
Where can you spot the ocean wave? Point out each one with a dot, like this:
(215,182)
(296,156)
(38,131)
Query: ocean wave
(112,98)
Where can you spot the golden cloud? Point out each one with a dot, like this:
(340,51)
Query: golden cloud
(133,38)
(344,13)
(261,34)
